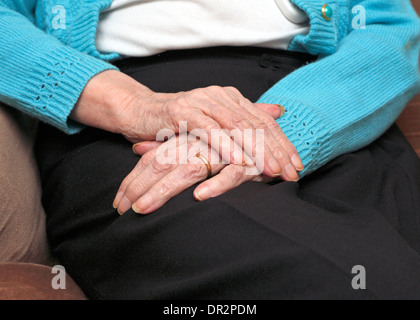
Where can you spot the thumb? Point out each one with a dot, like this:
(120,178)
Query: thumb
(274,110)
(145,146)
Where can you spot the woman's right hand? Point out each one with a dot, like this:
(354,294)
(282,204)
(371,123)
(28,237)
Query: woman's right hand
(115,102)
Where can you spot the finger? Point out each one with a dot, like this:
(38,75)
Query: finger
(209,131)
(145,180)
(167,158)
(276,146)
(146,146)
(239,121)
(175,182)
(274,151)
(259,120)
(287,145)
(142,164)
(187,108)
(281,139)
(274,110)
(229,178)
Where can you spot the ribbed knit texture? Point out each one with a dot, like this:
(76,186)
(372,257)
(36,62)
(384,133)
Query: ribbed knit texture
(359,86)
(341,103)
(40,75)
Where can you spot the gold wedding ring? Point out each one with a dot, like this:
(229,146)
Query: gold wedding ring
(207,163)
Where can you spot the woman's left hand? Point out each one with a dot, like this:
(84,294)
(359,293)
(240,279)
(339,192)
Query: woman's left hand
(167,169)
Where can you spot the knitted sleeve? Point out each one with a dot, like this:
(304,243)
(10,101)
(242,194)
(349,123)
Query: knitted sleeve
(346,100)
(38,74)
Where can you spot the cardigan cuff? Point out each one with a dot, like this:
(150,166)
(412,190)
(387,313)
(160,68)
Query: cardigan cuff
(305,130)
(54,87)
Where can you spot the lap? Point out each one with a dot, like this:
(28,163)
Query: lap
(285,240)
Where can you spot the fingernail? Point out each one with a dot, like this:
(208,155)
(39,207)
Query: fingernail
(274,167)
(297,163)
(202,194)
(117,199)
(244,161)
(282,110)
(124,205)
(136,145)
(291,173)
(142,206)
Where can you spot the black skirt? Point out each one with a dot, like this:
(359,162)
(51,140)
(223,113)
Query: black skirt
(351,230)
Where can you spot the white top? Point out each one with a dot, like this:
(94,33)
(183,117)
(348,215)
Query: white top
(148,27)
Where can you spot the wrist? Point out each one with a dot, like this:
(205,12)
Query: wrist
(108,101)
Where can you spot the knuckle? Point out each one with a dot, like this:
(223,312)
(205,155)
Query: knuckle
(238,122)
(134,188)
(165,188)
(231,178)
(214,88)
(258,124)
(195,170)
(172,106)
(207,125)
(147,158)
(197,93)
(160,167)
(215,109)
(281,155)
(233,90)
(267,119)
(237,174)
(180,103)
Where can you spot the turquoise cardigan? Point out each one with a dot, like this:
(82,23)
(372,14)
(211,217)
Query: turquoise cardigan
(342,102)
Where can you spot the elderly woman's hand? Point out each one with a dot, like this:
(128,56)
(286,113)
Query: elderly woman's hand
(115,102)
(167,169)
